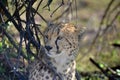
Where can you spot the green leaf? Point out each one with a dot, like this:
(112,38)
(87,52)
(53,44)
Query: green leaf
(118,71)
(102,65)
(0,44)
(117,41)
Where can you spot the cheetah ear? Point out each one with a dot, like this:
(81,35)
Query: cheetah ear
(80,32)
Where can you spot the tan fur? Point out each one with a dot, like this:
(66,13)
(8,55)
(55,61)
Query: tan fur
(63,40)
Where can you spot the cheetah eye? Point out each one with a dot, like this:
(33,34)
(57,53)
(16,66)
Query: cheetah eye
(59,37)
(56,42)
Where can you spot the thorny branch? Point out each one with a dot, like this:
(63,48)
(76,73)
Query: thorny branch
(106,13)
(29,34)
(105,72)
(8,15)
(65,11)
(102,20)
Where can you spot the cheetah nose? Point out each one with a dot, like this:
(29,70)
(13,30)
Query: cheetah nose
(48,48)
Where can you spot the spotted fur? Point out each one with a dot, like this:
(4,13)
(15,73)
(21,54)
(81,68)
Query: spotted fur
(62,44)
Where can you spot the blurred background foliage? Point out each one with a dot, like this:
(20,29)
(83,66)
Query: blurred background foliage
(97,43)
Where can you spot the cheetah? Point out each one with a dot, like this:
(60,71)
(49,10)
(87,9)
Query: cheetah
(62,45)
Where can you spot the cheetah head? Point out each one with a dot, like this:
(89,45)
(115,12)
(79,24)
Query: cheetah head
(62,40)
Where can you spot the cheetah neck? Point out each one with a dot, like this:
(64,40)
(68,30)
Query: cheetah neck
(66,70)
(64,64)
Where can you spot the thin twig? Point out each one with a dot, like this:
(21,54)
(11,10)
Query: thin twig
(76,11)
(12,41)
(64,12)
(38,7)
(97,65)
(106,12)
(9,16)
(102,21)
(115,8)
(113,20)
(62,3)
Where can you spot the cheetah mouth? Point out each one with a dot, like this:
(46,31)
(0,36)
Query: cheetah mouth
(53,54)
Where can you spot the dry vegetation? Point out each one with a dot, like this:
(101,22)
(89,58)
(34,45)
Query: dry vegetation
(101,40)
